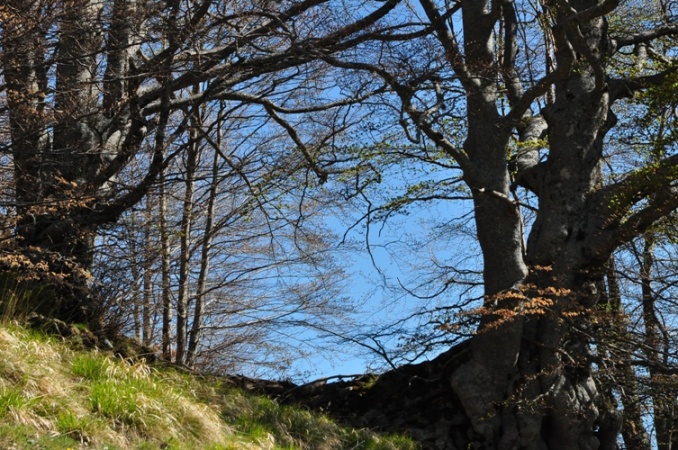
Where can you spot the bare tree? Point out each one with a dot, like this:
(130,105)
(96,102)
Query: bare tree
(87,84)
(256,261)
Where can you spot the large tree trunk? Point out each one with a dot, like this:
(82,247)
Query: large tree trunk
(23,57)
(528,382)
(54,178)
(49,175)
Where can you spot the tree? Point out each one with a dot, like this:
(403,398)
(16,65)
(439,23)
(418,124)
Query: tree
(521,95)
(645,282)
(256,262)
(88,86)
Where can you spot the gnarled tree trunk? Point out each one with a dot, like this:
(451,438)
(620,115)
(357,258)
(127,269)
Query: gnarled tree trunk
(526,379)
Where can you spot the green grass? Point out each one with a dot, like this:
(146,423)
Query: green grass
(53,396)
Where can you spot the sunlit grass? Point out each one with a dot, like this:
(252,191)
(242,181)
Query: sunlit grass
(55,397)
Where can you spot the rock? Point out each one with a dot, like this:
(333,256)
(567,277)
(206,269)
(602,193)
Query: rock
(415,399)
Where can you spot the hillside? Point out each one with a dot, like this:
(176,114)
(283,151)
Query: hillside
(54,394)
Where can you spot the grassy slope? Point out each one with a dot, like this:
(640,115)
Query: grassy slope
(55,397)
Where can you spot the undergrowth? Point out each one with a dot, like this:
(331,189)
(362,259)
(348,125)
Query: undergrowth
(53,396)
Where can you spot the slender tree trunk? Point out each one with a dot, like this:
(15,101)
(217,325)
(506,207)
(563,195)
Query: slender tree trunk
(166,284)
(185,251)
(136,270)
(196,327)
(161,142)
(665,404)
(148,306)
(633,429)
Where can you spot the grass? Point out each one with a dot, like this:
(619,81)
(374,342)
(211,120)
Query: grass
(53,396)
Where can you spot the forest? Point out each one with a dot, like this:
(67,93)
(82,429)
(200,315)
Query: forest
(478,196)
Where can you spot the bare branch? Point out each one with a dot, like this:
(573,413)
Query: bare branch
(643,37)
(449,42)
(626,87)
(657,183)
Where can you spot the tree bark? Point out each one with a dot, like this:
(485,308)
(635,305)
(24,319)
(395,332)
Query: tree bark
(186,251)
(47,174)
(205,255)
(538,359)
(166,283)
(148,307)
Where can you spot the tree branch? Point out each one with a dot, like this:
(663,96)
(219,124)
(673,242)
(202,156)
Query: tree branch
(626,87)
(658,183)
(449,42)
(643,37)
